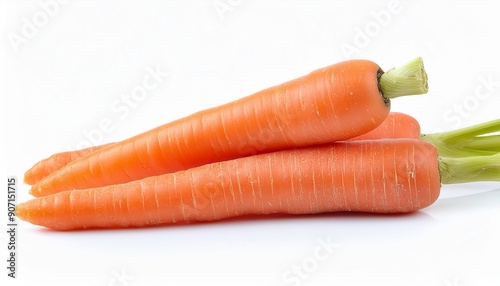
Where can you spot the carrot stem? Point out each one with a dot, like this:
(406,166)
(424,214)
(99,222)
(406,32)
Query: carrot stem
(469,169)
(469,154)
(486,143)
(408,79)
(477,140)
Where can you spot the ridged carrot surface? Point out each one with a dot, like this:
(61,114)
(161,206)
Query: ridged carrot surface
(396,125)
(55,162)
(379,176)
(330,104)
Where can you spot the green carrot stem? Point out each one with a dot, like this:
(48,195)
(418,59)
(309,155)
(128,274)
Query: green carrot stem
(486,143)
(457,151)
(476,140)
(469,169)
(408,79)
(472,131)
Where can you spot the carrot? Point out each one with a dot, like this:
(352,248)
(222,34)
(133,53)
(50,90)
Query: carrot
(55,162)
(396,125)
(330,104)
(379,176)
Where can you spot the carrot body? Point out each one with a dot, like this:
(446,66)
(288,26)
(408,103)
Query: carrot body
(379,176)
(55,162)
(396,125)
(330,104)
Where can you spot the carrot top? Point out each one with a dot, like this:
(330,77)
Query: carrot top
(477,140)
(469,154)
(469,169)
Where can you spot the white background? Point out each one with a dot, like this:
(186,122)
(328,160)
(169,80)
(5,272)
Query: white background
(66,67)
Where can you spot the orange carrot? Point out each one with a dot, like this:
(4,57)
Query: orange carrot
(55,162)
(396,125)
(379,176)
(330,104)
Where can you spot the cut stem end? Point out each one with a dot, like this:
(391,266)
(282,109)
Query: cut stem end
(408,79)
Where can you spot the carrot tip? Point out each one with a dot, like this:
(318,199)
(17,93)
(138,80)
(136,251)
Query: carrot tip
(34,191)
(20,212)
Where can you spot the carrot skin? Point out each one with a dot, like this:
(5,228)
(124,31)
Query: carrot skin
(379,176)
(47,166)
(396,125)
(323,106)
